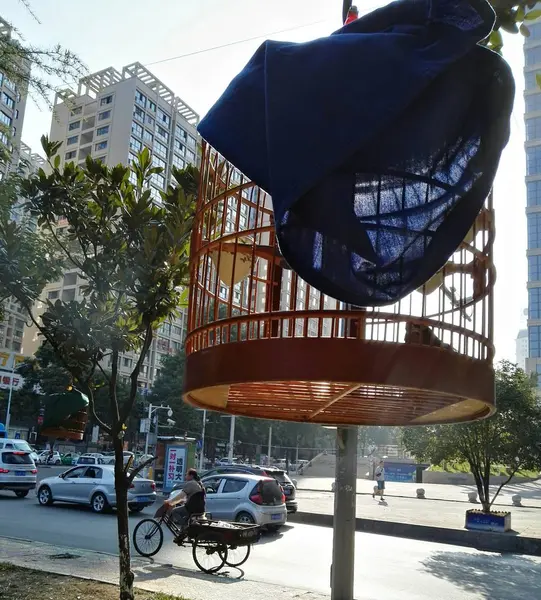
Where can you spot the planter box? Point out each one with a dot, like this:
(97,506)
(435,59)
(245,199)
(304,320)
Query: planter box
(477,520)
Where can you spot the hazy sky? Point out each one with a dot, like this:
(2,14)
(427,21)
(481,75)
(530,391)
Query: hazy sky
(118,32)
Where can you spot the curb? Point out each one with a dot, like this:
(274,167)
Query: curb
(480,540)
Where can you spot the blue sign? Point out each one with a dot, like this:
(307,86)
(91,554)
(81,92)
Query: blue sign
(199,444)
(400,472)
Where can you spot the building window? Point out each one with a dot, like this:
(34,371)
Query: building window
(151,106)
(533,56)
(70,279)
(76,111)
(68,295)
(9,84)
(181,133)
(533,193)
(161,132)
(106,114)
(534,230)
(133,178)
(533,128)
(534,300)
(127,362)
(140,98)
(534,268)
(16,113)
(180,148)
(72,140)
(53,295)
(533,101)
(163,117)
(158,180)
(135,145)
(149,120)
(8,100)
(534,333)
(158,162)
(160,149)
(14,131)
(155,194)
(136,129)
(530,80)
(5,119)
(139,113)
(535,32)
(191,141)
(148,137)
(533,160)
(191,156)
(101,145)
(74,125)
(178,162)
(102,130)
(106,100)
(131,158)
(69,155)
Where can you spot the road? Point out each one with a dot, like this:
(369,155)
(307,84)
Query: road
(300,556)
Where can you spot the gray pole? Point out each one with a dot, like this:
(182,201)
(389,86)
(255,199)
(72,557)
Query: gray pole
(231,440)
(202,455)
(343,555)
(148,429)
(8,412)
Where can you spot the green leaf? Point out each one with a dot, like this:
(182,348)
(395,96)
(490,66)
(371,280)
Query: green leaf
(532,15)
(524,30)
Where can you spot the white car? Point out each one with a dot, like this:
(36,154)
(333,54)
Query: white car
(46,458)
(94,486)
(91,459)
(223,462)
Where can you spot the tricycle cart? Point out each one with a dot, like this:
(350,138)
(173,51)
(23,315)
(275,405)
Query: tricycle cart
(214,543)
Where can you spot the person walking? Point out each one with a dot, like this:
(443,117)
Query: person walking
(380,480)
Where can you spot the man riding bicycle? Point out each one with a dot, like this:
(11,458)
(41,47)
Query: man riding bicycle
(191,497)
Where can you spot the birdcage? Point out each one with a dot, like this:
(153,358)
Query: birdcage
(263,343)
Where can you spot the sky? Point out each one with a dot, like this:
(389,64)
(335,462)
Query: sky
(116,33)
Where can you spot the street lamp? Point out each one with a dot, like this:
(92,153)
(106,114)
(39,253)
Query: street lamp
(152,409)
(231,436)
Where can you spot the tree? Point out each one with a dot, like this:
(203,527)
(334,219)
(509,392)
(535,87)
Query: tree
(37,70)
(511,437)
(131,254)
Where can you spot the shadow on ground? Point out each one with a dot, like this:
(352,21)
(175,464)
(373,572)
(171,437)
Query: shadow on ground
(491,576)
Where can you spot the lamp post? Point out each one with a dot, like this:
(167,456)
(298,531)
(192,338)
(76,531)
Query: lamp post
(152,409)
(270,445)
(202,451)
(231,439)
(8,413)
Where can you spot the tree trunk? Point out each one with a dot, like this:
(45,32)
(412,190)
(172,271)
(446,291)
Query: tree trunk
(122,515)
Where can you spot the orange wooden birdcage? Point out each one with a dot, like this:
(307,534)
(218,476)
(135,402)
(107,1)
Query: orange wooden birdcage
(263,343)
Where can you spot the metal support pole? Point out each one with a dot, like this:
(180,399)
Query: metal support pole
(231,439)
(343,555)
(148,428)
(8,413)
(270,445)
(201,457)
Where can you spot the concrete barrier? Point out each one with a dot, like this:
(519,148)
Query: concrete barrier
(466,478)
(480,540)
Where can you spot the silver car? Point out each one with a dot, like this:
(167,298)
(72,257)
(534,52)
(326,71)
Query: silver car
(17,471)
(246,498)
(94,486)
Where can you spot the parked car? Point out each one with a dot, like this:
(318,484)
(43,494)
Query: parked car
(246,498)
(50,458)
(70,458)
(280,475)
(90,459)
(17,470)
(94,486)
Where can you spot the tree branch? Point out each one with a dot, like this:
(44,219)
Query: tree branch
(139,468)
(504,484)
(63,247)
(113,401)
(127,408)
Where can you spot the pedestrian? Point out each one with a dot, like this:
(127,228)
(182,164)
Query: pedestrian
(380,480)
(191,498)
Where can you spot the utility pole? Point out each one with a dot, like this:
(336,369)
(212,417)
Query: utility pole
(270,444)
(152,409)
(231,438)
(343,556)
(201,456)
(8,413)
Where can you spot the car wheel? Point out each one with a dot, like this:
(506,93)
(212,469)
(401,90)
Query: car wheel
(136,509)
(21,493)
(58,462)
(45,496)
(99,503)
(246,518)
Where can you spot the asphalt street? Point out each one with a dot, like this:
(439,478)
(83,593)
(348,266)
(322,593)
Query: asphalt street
(300,556)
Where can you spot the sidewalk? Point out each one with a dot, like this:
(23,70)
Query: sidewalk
(150,575)
(449,514)
(530,491)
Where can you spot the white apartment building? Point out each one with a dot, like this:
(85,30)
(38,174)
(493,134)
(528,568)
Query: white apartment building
(112,115)
(12,105)
(521,348)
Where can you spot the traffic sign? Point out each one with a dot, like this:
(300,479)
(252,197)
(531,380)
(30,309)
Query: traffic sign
(199,444)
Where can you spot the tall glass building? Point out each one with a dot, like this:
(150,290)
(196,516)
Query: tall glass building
(532,117)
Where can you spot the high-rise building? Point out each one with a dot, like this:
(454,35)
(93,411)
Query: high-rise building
(112,116)
(532,98)
(12,103)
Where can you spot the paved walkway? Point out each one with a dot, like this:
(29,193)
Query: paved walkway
(530,491)
(436,513)
(150,575)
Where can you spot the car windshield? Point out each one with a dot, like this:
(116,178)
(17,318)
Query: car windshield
(279,476)
(23,446)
